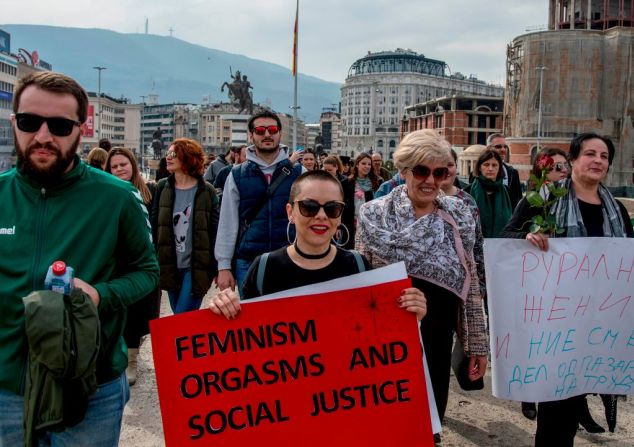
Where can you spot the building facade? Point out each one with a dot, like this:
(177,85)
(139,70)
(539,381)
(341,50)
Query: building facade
(172,120)
(287,130)
(381,85)
(120,122)
(330,129)
(221,128)
(573,78)
(8,79)
(463,120)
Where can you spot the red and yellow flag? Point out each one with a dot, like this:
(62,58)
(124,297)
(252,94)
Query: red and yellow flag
(295,40)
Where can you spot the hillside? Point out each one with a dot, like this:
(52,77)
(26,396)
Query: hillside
(178,71)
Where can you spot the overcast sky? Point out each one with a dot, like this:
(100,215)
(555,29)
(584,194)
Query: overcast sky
(470,35)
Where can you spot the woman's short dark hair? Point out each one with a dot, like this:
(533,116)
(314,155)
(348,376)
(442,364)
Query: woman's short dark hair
(577,143)
(486,155)
(313,175)
(264,114)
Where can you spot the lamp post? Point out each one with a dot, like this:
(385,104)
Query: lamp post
(539,111)
(99,69)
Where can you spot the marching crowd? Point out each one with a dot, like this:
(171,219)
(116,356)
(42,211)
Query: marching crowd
(256,220)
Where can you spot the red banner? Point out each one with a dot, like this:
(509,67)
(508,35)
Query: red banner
(334,369)
(88,129)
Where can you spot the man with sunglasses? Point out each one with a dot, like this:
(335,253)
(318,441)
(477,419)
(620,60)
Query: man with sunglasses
(253,216)
(511,178)
(58,208)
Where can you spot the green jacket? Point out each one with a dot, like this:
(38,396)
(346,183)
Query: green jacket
(63,337)
(95,223)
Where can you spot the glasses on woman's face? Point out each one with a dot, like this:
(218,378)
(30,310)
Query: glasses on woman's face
(170,155)
(561,167)
(421,173)
(310,208)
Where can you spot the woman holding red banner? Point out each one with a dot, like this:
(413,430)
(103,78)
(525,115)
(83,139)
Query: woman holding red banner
(587,209)
(435,236)
(315,207)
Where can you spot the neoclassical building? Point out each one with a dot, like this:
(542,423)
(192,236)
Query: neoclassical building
(381,85)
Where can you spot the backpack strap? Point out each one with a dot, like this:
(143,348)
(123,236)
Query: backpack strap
(261,269)
(359,259)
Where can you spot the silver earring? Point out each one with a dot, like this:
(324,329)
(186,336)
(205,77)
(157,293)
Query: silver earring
(335,239)
(288,233)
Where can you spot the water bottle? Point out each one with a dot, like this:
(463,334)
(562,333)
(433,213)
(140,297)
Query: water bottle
(60,278)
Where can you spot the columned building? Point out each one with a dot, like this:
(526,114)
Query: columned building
(381,85)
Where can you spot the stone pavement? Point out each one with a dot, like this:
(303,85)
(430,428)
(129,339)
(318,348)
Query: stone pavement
(473,418)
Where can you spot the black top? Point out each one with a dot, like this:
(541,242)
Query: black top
(283,274)
(592,215)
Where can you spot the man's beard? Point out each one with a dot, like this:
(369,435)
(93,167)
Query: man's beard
(48,175)
(267,150)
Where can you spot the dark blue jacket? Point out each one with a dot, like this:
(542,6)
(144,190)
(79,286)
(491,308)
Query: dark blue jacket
(267,231)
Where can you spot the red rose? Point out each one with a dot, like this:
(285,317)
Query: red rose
(545,162)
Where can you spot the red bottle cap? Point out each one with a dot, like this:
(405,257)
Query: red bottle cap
(59,268)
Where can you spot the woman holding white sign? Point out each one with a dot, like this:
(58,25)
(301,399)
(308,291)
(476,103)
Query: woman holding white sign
(315,207)
(586,209)
(435,236)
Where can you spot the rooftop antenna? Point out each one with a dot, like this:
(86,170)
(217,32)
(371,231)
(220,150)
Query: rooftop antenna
(171,30)
(147,25)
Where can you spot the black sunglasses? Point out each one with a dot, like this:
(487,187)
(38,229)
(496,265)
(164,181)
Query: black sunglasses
(562,167)
(423,172)
(310,208)
(31,123)
(500,146)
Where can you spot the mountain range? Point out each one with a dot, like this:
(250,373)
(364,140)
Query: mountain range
(178,71)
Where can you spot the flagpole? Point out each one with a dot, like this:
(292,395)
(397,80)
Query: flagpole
(295,51)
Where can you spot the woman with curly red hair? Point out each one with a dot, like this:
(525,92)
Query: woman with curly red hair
(185,216)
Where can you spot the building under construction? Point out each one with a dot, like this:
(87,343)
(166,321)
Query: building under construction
(584,65)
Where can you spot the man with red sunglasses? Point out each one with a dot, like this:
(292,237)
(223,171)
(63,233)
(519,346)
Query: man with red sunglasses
(253,217)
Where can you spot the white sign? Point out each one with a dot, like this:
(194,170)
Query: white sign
(562,321)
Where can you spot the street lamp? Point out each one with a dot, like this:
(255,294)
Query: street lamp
(539,112)
(99,69)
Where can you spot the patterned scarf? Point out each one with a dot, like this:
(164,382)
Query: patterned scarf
(566,211)
(437,247)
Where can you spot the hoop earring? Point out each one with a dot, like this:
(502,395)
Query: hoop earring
(288,233)
(342,244)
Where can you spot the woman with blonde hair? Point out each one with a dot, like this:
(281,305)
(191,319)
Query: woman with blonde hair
(97,158)
(434,235)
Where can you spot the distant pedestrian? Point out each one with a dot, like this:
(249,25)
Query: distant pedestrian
(122,163)
(510,176)
(97,158)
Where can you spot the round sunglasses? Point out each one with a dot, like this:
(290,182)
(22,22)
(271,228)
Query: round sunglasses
(422,172)
(310,208)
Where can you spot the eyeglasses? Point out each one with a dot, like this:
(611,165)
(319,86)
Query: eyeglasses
(561,167)
(423,172)
(170,155)
(310,208)
(500,146)
(261,130)
(31,123)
